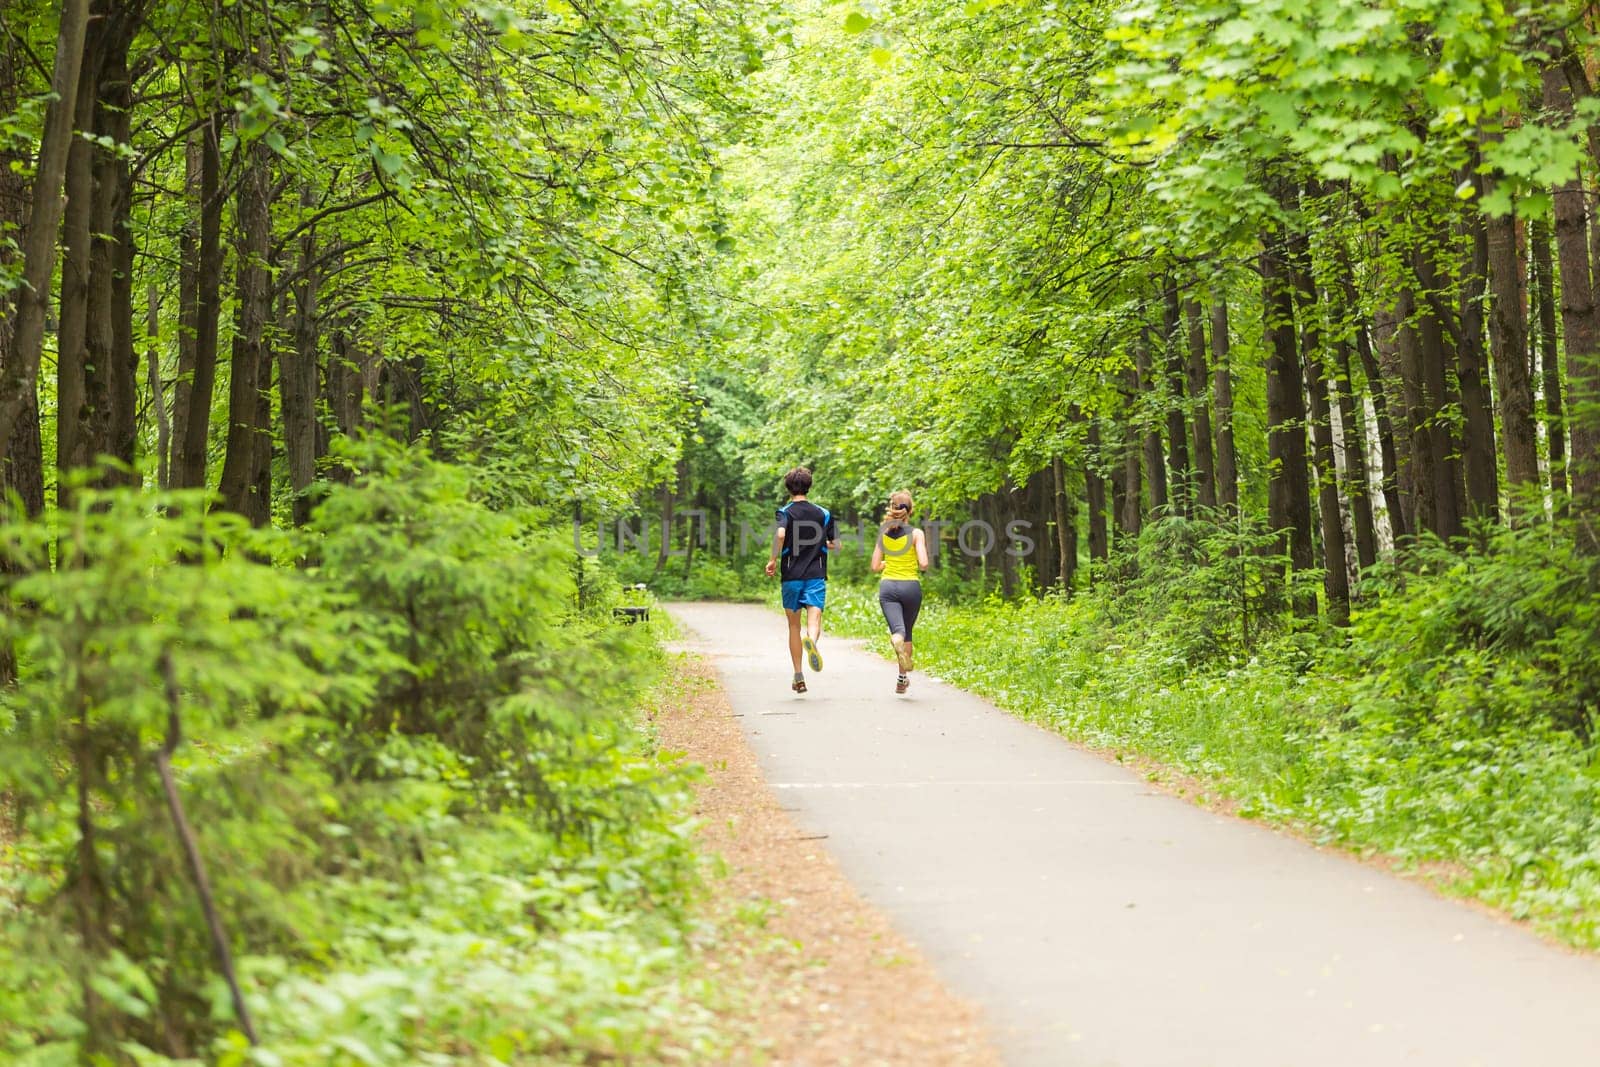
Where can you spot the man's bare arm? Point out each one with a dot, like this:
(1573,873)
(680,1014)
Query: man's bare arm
(777,547)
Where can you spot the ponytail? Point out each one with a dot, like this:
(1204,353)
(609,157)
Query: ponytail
(899,510)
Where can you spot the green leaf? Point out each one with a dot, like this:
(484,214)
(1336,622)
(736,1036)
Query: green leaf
(856,22)
(1497,202)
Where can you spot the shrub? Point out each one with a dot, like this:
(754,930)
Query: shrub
(431,826)
(144,585)
(1502,632)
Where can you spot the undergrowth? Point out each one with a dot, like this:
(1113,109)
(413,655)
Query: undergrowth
(434,830)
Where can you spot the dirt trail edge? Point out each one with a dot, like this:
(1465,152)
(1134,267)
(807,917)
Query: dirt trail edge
(829,981)
(1100,922)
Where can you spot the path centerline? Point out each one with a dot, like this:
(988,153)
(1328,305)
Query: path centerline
(982,783)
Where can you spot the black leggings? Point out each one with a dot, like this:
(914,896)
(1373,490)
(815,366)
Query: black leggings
(900,600)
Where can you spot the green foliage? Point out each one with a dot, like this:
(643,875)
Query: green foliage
(143,580)
(594,250)
(1501,637)
(469,603)
(706,578)
(1209,589)
(433,831)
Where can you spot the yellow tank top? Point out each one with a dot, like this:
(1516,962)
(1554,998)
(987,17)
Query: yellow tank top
(900,559)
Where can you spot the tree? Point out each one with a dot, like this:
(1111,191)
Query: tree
(18,380)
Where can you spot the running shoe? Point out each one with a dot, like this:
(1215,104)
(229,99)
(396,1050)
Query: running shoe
(813,657)
(798,685)
(901,684)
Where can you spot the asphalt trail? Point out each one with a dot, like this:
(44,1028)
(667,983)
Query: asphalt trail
(1099,922)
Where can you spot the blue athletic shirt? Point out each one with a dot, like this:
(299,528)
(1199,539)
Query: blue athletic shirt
(807,528)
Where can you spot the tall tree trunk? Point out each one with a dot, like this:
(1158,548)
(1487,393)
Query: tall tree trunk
(1478,458)
(1205,465)
(22,469)
(98,368)
(1391,382)
(1574,77)
(188,304)
(18,380)
(251,367)
(73,448)
(669,501)
(1066,530)
(297,377)
(158,396)
(260,498)
(1583,374)
(1565,81)
(1288,487)
(1130,512)
(1177,425)
(346,381)
(200,280)
(1581,333)
(1549,359)
(1335,576)
(1222,397)
(1388,460)
(1358,485)
(1508,340)
(1423,478)
(1432,362)
(1004,512)
(1094,490)
(1155,467)
(114,119)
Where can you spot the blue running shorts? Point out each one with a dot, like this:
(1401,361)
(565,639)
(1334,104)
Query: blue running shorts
(807,592)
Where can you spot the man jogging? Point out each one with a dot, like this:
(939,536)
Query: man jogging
(800,545)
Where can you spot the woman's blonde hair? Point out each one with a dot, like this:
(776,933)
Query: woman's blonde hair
(899,509)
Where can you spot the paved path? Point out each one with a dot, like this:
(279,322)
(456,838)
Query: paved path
(1100,923)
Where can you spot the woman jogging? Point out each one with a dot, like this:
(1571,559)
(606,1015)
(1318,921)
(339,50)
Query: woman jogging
(901,554)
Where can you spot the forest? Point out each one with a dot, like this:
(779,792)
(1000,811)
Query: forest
(331,331)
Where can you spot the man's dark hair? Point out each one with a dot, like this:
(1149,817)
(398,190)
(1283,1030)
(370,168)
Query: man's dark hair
(798,481)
